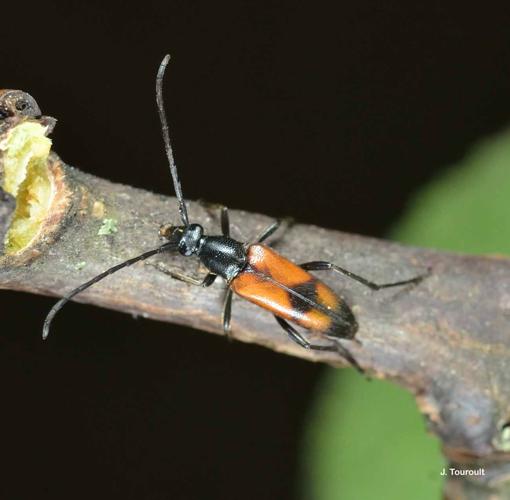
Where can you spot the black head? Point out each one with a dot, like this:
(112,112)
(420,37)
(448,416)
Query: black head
(187,238)
(18,103)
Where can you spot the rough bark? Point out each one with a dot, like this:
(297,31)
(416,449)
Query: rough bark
(446,339)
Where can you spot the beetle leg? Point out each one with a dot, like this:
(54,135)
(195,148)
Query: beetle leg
(335,347)
(224,218)
(225,222)
(299,339)
(227,312)
(208,280)
(344,352)
(205,282)
(268,231)
(326,266)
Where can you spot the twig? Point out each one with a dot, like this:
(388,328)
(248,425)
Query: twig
(446,339)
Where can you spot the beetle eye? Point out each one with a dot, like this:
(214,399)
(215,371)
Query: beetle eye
(21,105)
(3,113)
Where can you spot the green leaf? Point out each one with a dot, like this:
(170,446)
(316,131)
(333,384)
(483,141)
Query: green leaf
(468,208)
(368,441)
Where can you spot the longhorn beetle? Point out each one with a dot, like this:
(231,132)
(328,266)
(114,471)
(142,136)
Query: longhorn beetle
(254,271)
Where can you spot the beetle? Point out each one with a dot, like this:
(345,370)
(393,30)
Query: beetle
(254,271)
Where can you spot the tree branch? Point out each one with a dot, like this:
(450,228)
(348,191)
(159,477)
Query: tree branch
(445,339)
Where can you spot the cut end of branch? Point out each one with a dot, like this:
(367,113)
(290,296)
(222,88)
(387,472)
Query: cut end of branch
(25,150)
(28,173)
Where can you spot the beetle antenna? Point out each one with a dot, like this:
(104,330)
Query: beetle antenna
(166,137)
(62,302)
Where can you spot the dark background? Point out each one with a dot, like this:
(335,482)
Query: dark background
(334,113)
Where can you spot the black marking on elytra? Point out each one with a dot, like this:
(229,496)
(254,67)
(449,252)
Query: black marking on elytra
(347,326)
(307,289)
(343,325)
